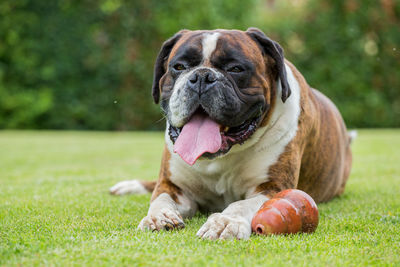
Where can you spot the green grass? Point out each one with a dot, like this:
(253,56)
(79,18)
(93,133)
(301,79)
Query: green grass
(55,208)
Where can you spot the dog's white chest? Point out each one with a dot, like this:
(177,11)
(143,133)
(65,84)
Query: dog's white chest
(214,184)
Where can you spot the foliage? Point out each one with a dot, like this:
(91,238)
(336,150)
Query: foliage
(88,64)
(68,64)
(350,51)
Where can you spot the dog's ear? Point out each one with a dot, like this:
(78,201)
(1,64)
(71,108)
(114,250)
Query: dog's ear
(274,50)
(159,67)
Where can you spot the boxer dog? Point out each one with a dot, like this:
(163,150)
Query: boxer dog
(242,125)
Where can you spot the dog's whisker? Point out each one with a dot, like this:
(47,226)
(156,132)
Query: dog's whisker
(161,119)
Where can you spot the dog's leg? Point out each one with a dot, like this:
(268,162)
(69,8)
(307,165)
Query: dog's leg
(234,222)
(169,205)
(132,187)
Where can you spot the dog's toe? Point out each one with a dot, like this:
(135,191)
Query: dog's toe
(220,226)
(166,219)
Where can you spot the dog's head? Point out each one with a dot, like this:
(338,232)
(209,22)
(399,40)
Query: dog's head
(220,78)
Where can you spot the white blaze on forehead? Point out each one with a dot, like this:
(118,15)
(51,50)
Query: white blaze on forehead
(209,43)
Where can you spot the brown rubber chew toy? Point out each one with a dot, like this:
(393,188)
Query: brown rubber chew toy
(288,212)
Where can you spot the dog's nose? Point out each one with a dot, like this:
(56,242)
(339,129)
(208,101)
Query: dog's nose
(194,78)
(210,77)
(202,80)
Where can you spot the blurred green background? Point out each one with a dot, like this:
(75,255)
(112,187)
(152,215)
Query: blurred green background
(69,64)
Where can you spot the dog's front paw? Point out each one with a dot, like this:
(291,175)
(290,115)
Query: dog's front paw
(220,226)
(164,219)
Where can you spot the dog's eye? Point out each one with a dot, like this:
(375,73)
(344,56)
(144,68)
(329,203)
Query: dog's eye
(179,67)
(235,69)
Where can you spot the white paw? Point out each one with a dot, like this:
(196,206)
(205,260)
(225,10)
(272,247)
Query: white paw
(220,226)
(164,219)
(128,187)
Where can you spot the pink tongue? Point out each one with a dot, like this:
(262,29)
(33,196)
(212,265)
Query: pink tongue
(199,135)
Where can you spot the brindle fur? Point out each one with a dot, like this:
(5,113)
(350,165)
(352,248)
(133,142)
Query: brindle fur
(318,159)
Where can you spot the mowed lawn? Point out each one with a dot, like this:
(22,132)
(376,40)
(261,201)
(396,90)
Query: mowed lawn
(55,208)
